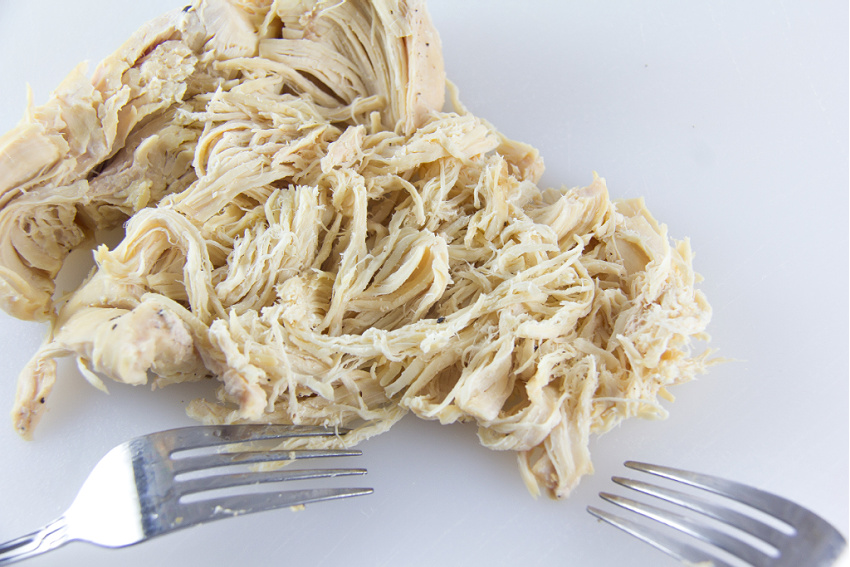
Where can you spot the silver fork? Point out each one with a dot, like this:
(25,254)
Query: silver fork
(136,491)
(799,538)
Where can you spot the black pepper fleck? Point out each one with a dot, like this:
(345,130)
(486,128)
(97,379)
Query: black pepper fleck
(441,319)
(41,400)
(187,8)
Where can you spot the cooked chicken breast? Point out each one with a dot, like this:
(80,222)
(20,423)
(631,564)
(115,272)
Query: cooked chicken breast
(307,224)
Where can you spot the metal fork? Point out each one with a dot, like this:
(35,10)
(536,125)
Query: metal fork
(136,491)
(799,538)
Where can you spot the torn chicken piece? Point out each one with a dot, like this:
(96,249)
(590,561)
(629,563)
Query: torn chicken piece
(64,143)
(152,340)
(308,225)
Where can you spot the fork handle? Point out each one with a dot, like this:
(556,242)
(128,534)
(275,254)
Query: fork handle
(51,536)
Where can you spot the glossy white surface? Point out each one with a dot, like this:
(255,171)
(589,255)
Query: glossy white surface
(731,118)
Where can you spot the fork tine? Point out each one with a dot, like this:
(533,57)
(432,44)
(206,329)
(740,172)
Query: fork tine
(203,484)
(241,504)
(731,517)
(776,506)
(686,525)
(802,522)
(673,547)
(195,437)
(201,462)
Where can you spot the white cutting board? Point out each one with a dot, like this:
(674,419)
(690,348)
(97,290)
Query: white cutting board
(731,118)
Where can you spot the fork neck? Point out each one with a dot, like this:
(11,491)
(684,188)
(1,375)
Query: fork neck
(51,536)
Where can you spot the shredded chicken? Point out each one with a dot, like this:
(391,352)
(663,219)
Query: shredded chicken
(306,224)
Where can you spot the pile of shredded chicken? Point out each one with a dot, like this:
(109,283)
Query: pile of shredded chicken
(308,226)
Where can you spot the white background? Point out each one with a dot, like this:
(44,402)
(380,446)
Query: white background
(730,117)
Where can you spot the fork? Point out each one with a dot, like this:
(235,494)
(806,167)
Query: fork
(136,491)
(790,536)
